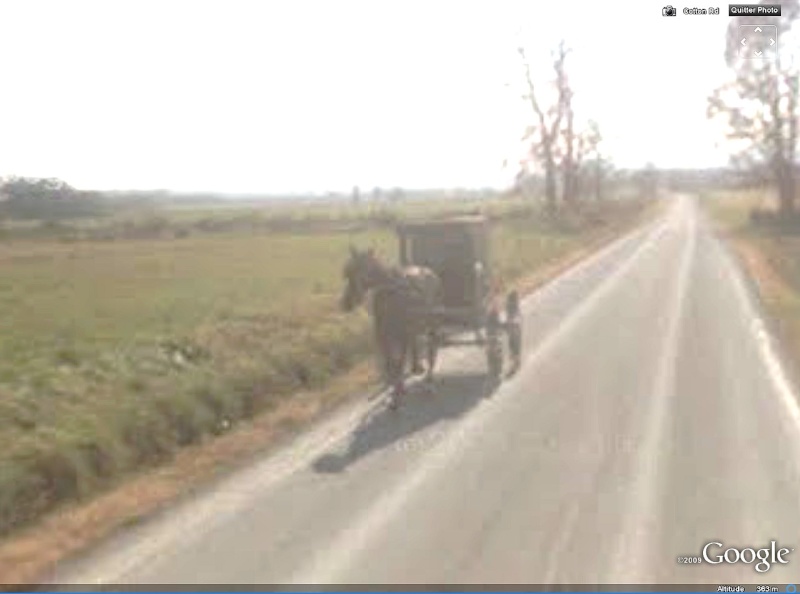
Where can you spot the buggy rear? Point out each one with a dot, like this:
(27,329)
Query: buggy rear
(458,251)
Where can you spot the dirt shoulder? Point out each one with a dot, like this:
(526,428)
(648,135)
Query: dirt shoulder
(770,260)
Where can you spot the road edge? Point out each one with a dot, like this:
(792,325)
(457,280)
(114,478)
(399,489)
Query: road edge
(758,280)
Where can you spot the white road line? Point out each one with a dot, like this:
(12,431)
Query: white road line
(568,276)
(765,345)
(561,542)
(632,562)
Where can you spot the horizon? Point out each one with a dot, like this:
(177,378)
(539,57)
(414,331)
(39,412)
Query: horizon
(367,193)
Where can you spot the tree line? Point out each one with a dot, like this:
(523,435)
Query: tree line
(46,198)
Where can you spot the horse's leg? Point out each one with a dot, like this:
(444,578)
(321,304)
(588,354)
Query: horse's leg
(401,366)
(397,368)
(416,364)
(385,361)
(391,380)
(389,366)
(433,351)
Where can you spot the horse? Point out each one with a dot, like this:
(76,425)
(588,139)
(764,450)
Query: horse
(400,299)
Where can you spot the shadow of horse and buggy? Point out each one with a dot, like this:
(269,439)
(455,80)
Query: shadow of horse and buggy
(440,295)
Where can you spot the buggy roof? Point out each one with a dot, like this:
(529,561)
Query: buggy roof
(459,221)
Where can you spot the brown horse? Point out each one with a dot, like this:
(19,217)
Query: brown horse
(402,299)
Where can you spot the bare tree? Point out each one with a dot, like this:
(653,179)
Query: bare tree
(569,163)
(572,152)
(544,136)
(559,145)
(760,107)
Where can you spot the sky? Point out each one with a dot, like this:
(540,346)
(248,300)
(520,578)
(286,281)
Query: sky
(253,96)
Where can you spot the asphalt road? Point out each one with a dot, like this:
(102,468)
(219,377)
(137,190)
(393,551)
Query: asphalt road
(650,417)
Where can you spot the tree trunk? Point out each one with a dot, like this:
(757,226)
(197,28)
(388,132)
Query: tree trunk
(789,181)
(786,189)
(550,187)
(598,183)
(568,191)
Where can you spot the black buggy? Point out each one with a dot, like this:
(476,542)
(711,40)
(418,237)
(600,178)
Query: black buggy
(457,250)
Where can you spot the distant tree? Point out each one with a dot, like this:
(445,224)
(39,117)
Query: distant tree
(544,135)
(397,195)
(22,188)
(760,106)
(648,182)
(356,196)
(46,198)
(570,161)
(596,167)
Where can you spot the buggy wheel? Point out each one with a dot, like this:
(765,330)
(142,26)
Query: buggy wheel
(494,357)
(515,342)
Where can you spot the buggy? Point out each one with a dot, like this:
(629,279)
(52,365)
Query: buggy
(457,250)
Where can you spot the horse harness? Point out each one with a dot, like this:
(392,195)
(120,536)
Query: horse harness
(397,281)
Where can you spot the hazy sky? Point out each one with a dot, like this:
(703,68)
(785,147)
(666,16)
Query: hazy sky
(261,95)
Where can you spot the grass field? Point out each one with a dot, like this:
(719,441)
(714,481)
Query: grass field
(114,354)
(158,222)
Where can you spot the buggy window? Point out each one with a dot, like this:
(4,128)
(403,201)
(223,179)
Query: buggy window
(450,253)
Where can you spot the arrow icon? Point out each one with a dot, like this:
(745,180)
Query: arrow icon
(744,41)
(758,53)
(772,42)
(758,29)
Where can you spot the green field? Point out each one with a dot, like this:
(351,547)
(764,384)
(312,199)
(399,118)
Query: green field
(115,353)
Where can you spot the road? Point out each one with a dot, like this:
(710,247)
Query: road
(650,417)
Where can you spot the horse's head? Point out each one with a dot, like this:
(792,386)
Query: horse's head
(359,274)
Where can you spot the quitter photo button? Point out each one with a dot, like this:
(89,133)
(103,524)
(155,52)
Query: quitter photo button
(754,10)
